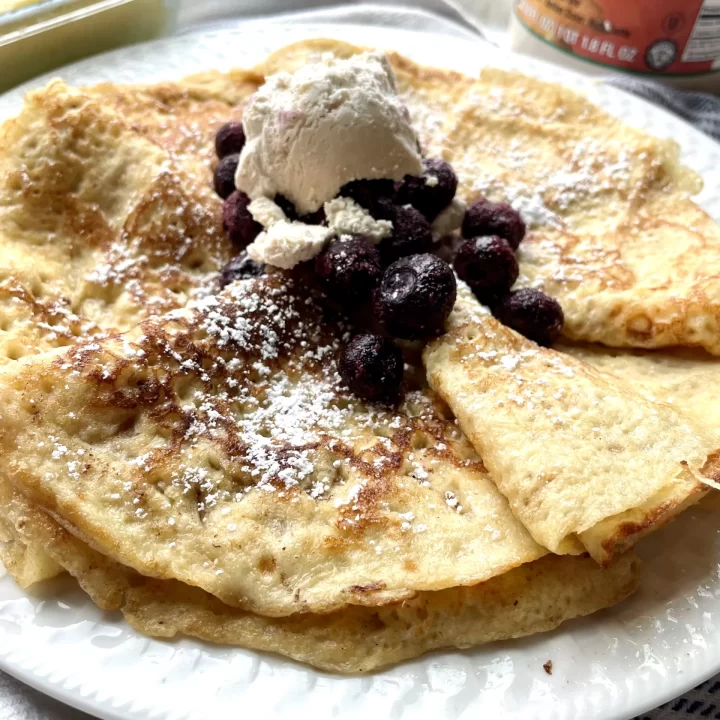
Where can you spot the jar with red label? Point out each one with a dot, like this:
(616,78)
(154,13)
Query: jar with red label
(674,40)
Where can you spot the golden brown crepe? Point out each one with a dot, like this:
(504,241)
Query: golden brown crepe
(218,446)
(407,479)
(585,461)
(532,598)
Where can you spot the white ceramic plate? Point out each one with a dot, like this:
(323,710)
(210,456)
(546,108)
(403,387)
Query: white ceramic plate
(610,666)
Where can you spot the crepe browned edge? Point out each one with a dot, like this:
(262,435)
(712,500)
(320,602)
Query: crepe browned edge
(499,385)
(535,597)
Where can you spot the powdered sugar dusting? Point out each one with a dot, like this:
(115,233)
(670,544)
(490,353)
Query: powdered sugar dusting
(543,200)
(255,368)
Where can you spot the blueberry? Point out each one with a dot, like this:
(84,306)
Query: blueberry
(488,266)
(533,314)
(224,177)
(376,196)
(286,206)
(372,367)
(431,192)
(240,267)
(230,139)
(488,218)
(349,269)
(238,223)
(314,218)
(411,234)
(415,296)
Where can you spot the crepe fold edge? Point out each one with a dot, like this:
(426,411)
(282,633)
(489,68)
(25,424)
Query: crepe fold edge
(684,483)
(535,597)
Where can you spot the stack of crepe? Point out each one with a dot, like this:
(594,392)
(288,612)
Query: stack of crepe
(190,456)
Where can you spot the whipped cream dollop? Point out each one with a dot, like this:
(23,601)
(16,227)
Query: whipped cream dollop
(331,122)
(346,217)
(284,243)
(310,133)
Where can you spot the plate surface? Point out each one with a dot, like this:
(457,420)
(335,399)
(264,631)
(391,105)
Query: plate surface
(610,666)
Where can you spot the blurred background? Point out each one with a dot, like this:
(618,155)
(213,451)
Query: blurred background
(674,41)
(37,36)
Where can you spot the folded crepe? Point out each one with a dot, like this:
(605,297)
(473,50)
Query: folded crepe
(686,378)
(106,217)
(585,462)
(533,598)
(217,446)
(112,185)
(158,118)
(614,235)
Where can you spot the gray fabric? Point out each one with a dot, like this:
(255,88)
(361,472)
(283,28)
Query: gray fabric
(20,702)
(700,109)
(702,703)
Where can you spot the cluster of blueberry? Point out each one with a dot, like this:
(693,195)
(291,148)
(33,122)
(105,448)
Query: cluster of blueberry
(486,262)
(410,299)
(238,223)
(409,288)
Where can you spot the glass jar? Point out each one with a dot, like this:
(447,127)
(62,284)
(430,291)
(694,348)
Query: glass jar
(36,37)
(675,41)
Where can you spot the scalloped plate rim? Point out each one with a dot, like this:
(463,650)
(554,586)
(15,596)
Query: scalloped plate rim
(409,42)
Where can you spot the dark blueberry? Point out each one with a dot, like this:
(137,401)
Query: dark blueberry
(415,296)
(488,266)
(287,207)
(349,269)
(431,192)
(239,224)
(372,367)
(533,314)
(376,196)
(230,139)
(488,218)
(224,177)
(411,234)
(240,267)
(314,218)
